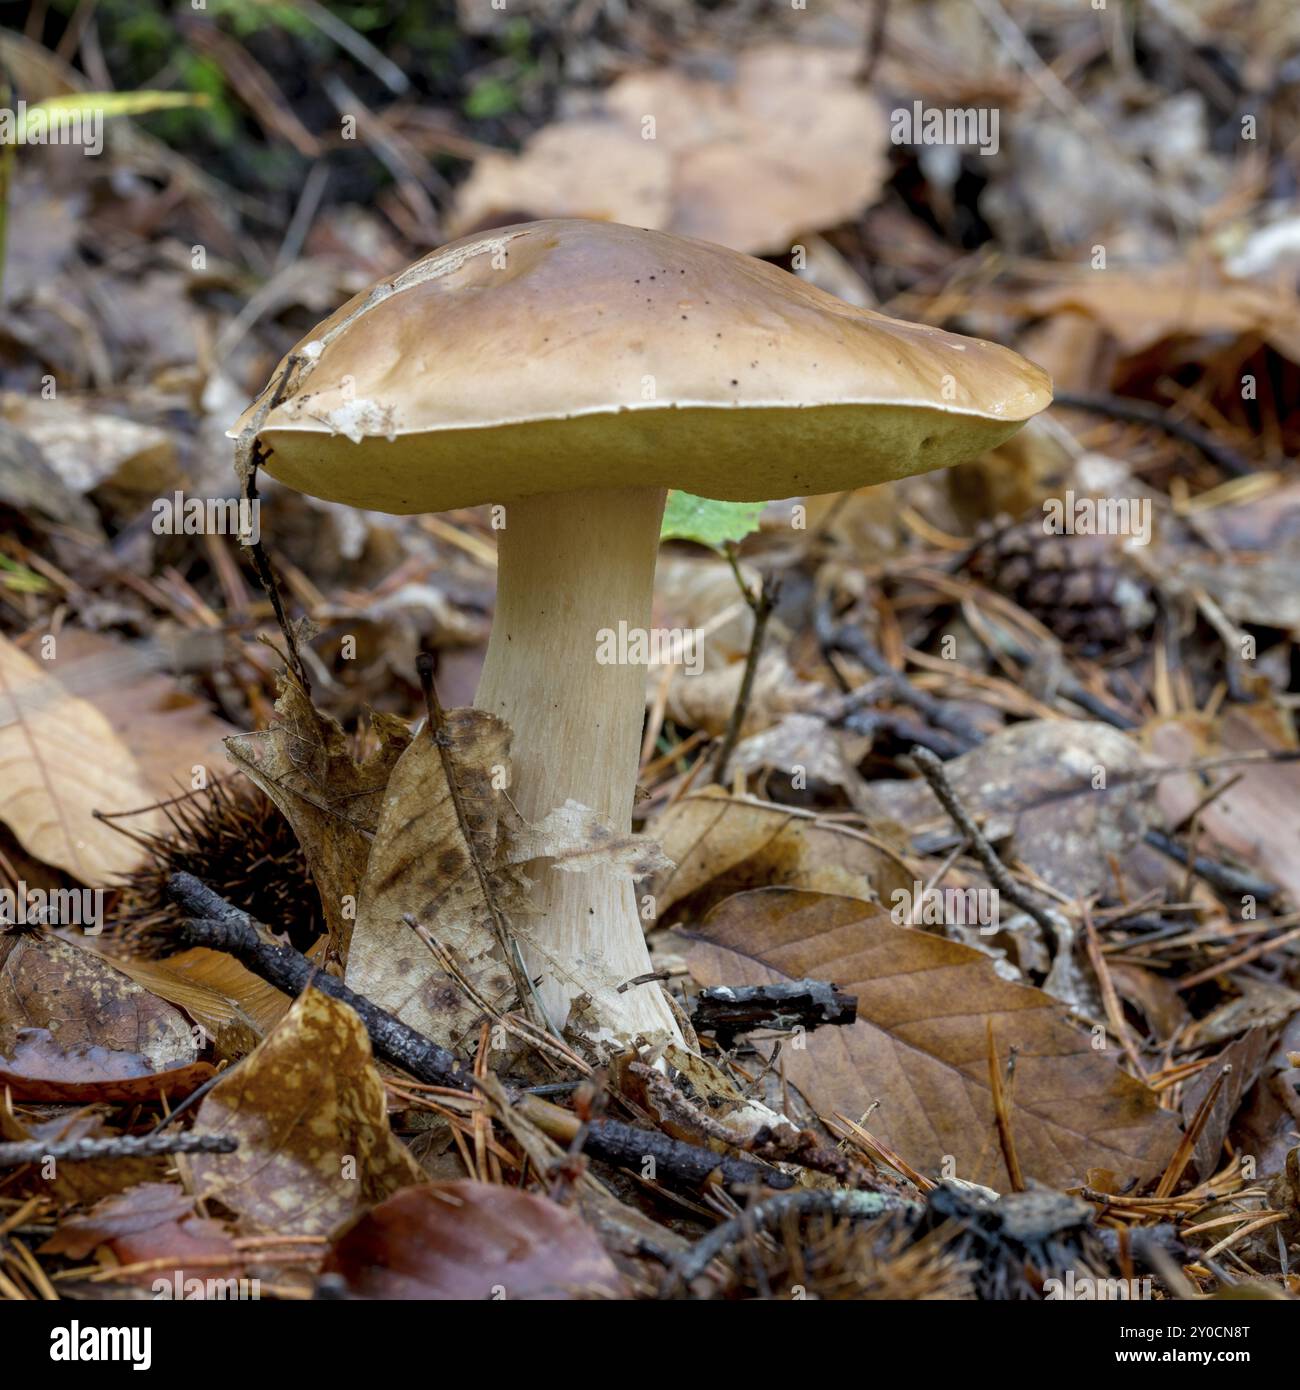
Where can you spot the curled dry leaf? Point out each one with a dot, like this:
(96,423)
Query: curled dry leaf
(423,862)
(706,701)
(919,1047)
(449,876)
(308,1110)
(84,1002)
(728,161)
(61,760)
(1243,1060)
(1256,819)
(39,1069)
(472,1241)
(154,1221)
(72,1184)
(307,765)
(1060,790)
(723,844)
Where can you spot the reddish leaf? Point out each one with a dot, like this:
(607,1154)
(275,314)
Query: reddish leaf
(472,1240)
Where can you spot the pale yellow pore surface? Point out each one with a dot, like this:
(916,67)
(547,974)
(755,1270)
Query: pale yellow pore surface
(569,567)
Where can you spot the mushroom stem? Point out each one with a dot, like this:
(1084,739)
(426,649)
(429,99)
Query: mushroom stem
(571,565)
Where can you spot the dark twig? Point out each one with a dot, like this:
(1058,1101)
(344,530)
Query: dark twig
(222,927)
(219,926)
(1224,879)
(761,605)
(767,1213)
(1148,413)
(119,1146)
(727,1010)
(855,644)
(933,771)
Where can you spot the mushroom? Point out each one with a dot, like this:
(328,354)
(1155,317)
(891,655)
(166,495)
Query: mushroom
(572,371)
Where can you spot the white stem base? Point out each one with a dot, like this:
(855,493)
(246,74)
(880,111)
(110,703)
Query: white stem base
(570,565)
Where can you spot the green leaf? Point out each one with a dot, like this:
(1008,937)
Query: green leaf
(710,523)
(107,104)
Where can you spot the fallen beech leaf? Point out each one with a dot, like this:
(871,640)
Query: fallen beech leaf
(1245,1058)
(84,1001)
(807,743)
(420,863)
(723,844)
(88,449)
(153,1221)
(39,1069)
(167,729)
(729,161)
(920,1049)
(72,1183)
(472,1240)
(1034,784)
(706,701)
(1256,819)
(305,763)
(60,760)
(1188,299)
(308,1110)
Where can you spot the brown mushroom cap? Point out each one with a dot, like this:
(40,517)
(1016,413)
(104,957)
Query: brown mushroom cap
(564,355)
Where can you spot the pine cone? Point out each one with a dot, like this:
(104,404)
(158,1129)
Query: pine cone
(1080,587)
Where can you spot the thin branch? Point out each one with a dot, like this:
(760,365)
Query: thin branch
(119,1146)
(761,605)
(933,771)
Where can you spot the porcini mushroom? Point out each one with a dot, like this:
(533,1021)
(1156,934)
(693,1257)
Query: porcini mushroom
(573,371)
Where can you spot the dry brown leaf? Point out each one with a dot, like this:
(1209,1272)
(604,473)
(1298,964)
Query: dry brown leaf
(722,844)
(790,143)
(309,1112)
(154,1221)
(60,760)
(706,701)
(1256,820)
(472,1241)
(39,1069)
(919,1047)
(421,864)
(805,745)
(1189,299)
(1034,784)
(88,449)
(306,764)
(72,1184)
(168,730)
(1244,1059)
(84,1002)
